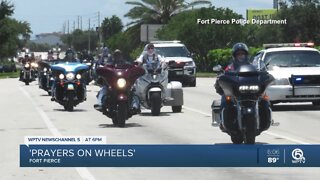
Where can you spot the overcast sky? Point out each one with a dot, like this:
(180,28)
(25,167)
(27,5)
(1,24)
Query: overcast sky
(47,16)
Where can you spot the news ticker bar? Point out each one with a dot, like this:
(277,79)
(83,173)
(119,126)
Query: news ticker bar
(170,156)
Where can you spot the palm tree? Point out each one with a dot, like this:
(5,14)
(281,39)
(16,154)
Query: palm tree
(6,9)
(159,11)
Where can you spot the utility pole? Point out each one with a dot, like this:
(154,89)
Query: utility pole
(68,26)
(99,29)
(81,23)
(89,38)
(78,22)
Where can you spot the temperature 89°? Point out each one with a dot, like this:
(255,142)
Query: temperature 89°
(273,159)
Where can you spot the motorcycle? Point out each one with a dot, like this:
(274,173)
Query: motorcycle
(247,111)
(69,89)
(45,78)
(119,96)
(27,74)
(88,76)
(154,91)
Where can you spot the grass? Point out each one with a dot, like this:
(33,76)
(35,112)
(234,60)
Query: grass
(206,74)
(9,75)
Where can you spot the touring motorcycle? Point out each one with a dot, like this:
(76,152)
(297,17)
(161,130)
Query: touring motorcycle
(119,81)
(247,111)
(45,78)
(69,89)
(154,91)
(27,73)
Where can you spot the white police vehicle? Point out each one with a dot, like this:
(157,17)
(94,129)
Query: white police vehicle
(181,65)
(296,69)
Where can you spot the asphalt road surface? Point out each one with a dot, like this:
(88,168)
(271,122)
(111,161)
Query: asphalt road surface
(28,111)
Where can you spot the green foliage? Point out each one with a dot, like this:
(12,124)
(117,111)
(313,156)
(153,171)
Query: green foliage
(79,40)
(111,27)
(160,11)
(198,38)
(6,9)
(13,34)
(136,52)
(224,56)
(126,41)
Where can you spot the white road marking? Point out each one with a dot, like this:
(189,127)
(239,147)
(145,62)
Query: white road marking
(83,172)
(266,132)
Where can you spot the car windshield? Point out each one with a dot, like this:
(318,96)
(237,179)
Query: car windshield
(172,51)
(293,59)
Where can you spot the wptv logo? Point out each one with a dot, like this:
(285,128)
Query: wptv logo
(297,156)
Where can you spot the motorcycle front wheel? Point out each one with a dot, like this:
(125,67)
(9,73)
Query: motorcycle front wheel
(121,114)
(250,133)
(155,99)
(69,104)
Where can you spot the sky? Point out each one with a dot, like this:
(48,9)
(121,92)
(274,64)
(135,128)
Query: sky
(46,16)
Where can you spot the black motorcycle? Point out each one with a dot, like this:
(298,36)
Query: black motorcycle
(246,112)
(45,78)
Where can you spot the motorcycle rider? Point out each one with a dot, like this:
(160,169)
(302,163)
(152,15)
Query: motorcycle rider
(50,55)
(116,60)
(70,56)
(150,56)
(240,56)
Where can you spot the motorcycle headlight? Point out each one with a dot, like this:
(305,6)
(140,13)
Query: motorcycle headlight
(45,69)
(70,76)
(78,76)
(190,63)
(154,77)
(251,88)
(34,65)
(61,76)
(27,65)
(121,83)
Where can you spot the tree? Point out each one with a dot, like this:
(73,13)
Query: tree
(303,22)
(199,38)
(13,34)
(111,27)
(6,9)
(158,11)
(79,40)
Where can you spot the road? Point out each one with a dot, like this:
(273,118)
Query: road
(28,111)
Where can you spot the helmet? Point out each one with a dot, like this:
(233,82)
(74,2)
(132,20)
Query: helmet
(239,47)
(50,52)
(69,51)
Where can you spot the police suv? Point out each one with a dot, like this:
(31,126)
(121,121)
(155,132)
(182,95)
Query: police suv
(181,65)
(296,69)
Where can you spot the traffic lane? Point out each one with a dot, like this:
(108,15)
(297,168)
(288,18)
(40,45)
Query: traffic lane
(299,122)
(19,118)
(117,136)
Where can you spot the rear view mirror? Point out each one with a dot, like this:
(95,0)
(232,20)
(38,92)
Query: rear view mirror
(217,68)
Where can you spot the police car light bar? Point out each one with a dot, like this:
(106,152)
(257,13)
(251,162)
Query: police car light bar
(309,44)
(159,42)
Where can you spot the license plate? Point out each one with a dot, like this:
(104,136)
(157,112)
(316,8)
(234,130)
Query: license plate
(179,72)
(70,87)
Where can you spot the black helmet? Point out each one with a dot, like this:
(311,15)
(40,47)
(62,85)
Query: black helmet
(50,52)
(239,47)
(69,51)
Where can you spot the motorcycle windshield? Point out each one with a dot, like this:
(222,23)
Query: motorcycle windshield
(69,67)
(250,83)
(112,73)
